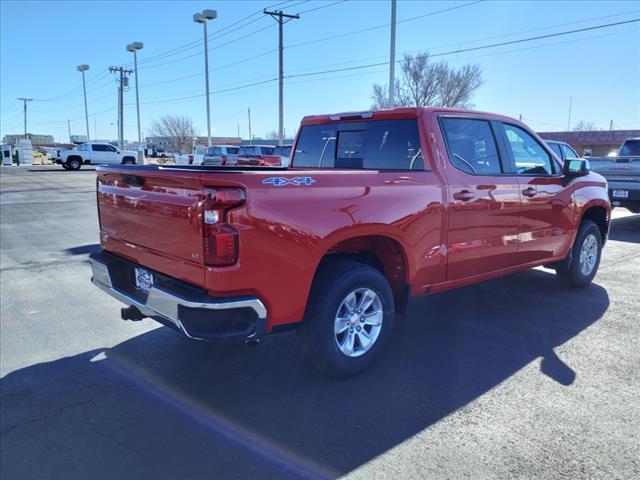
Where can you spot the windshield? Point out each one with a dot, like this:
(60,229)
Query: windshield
(630,148)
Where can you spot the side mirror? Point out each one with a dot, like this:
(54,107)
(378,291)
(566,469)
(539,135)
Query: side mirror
(575,167)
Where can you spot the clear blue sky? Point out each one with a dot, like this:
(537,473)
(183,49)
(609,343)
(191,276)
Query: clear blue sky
(43,42)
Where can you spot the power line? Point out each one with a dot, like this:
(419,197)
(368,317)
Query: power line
(384,25)
(320,7)
(482,47)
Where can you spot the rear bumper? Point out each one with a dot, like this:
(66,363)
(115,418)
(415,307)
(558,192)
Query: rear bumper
(632,198)
(181,306)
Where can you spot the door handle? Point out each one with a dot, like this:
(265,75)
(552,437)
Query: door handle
(529,192)
(464,195)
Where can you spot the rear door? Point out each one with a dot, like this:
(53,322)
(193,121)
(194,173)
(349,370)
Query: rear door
(546,217)
(483,196)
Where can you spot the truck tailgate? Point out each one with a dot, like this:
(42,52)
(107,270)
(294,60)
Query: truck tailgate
(153,218)
(616,168)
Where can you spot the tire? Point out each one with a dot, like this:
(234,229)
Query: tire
(74,163)
(328,311)
(128,161)
(585,257)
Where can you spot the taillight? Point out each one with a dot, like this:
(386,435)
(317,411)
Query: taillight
(190,159)
(220,239)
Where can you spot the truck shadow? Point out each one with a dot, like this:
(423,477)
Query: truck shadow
(139,401)
(625,229)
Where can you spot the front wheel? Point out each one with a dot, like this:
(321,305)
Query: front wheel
(585,257)
(74,164)
(349,318)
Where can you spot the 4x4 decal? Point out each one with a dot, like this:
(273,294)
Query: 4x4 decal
(282,181)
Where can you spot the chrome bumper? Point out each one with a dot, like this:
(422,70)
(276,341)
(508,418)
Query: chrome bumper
(163,304)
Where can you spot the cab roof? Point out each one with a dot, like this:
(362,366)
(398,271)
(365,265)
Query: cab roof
(394,114)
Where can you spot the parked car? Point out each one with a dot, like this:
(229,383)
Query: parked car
(221,155)
(258,155)
(284,152)
(562,150)
(622,171)
(94,153)
(376,208)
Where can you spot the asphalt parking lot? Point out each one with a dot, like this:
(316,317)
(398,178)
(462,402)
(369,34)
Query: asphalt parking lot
(512,378)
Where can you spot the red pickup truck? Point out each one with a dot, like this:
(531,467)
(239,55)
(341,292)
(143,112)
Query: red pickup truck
(376,207)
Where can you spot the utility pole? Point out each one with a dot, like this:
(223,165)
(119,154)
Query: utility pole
(250,136)
(123,82)
(569,120)
(520,118)
(24,102)
(392,55)
(611,125)
(281,18)
(238,125)
(69,127)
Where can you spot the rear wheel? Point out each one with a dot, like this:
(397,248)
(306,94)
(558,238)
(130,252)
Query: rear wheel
(74,163)
(349,318)
(128,161)
(585,257)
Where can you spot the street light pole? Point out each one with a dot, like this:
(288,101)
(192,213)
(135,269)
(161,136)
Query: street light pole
(203,18)
(84,68)
(134,47)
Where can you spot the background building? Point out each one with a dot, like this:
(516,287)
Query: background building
(595,143)
(36,139)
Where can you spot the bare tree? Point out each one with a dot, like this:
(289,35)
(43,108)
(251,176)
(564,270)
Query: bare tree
(179,130)
(272,135)
(424,83)
(583,126)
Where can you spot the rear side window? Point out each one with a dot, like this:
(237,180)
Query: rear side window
(375,145)
(214,151)
(471,146)
(528,155)
(232,150)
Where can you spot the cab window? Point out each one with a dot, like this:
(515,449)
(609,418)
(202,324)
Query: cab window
(529,157)
(373,145)
(471,146)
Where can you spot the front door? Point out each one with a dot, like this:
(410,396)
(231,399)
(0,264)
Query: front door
(546,217)
(484,200)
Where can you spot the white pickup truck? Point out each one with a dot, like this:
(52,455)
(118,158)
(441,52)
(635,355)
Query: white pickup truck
(95,154)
